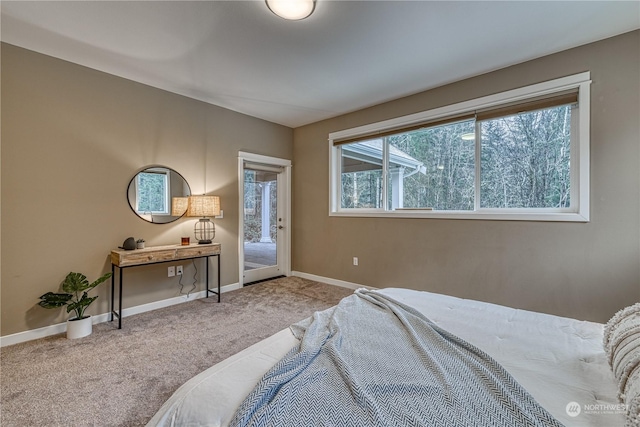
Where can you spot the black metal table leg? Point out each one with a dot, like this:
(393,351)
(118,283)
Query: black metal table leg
(206,260)
(113,267)
(207,277)
(120,302)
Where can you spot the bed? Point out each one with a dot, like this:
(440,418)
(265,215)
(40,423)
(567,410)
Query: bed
(559,361)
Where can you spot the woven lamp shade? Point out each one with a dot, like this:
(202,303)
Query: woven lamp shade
(203,206)
(179,205)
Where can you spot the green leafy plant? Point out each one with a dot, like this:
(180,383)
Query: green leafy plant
(75,296)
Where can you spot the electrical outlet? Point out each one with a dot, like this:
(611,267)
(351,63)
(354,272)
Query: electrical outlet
(171,271)
(179,270)
(355,260)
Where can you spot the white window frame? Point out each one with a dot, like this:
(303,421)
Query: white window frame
(167,190)
(579,156)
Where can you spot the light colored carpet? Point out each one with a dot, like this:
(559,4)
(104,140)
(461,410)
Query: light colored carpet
(122,377)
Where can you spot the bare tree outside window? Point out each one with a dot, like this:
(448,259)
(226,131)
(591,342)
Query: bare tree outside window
(525,160)
(446,180)
(152,192)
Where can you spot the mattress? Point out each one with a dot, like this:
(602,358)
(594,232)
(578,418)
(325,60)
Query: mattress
(560,361)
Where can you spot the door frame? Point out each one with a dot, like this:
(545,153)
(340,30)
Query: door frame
(284,192)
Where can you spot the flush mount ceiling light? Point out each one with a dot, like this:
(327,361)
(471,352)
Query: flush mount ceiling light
(292,10)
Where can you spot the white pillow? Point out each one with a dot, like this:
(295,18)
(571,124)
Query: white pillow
(622,344)
(632,398)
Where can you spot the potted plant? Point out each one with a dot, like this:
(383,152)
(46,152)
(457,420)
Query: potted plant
(75,297)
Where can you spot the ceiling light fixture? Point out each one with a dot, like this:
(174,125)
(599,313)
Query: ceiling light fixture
(293,10)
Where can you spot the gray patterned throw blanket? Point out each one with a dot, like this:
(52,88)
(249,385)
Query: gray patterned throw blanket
(372,361)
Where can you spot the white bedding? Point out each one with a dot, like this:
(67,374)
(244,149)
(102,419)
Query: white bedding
(558,360)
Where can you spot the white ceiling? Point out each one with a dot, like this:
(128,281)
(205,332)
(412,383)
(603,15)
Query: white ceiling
(348,55)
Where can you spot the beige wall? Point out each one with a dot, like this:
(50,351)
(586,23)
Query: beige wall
(586,271)
(72,138)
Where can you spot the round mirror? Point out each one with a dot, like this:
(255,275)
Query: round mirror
(158,194)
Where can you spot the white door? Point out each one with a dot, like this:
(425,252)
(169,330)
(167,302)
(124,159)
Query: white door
(264,217)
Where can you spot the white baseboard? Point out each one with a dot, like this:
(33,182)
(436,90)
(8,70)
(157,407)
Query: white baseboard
(60,328)
(330,281)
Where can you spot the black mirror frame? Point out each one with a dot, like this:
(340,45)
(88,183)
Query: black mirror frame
(173,218)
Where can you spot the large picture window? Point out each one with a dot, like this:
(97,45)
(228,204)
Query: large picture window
(522,154)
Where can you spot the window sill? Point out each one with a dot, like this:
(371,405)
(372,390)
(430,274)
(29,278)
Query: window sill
(474,215)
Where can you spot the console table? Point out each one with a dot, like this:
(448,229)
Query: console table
(156,255)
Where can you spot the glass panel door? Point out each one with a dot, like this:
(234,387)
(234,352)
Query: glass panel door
(262,223)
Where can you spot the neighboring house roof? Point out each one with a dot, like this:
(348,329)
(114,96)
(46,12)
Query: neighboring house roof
(369,153)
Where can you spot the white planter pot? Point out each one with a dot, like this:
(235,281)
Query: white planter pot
(78,328)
